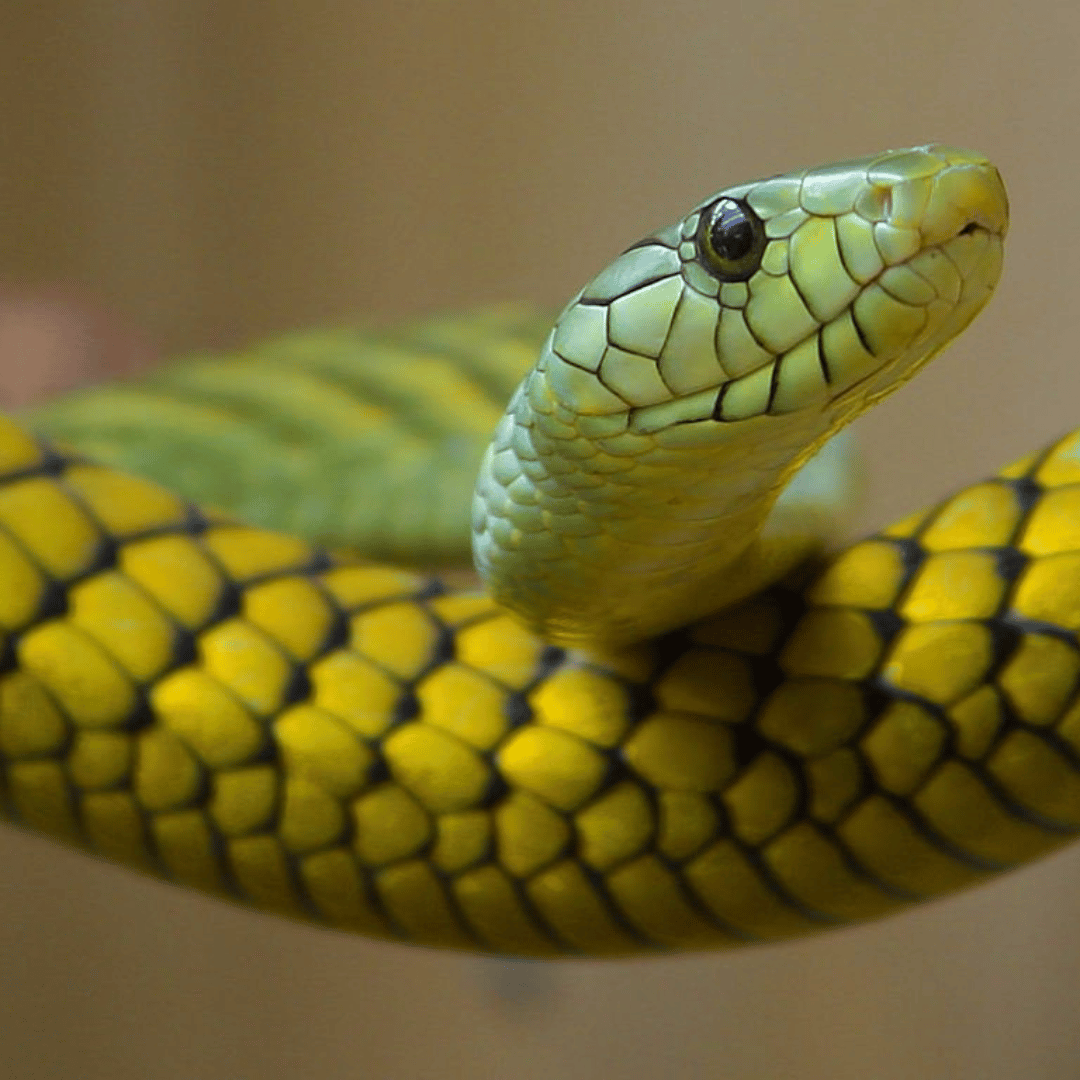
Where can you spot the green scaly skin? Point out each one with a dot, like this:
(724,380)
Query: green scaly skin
(324,408)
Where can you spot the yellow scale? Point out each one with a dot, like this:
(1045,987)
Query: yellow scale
(239,712)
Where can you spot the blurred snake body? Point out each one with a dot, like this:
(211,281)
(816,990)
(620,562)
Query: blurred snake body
(640,738)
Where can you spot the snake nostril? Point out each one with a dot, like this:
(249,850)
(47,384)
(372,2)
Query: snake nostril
(969,229)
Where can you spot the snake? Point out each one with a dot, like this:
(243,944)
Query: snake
(672,718)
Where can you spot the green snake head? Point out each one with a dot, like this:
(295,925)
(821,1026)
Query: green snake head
(628,486)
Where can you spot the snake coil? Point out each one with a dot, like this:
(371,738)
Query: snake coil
(239,711)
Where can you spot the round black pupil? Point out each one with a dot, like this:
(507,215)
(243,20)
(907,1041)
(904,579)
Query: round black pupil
(731,235)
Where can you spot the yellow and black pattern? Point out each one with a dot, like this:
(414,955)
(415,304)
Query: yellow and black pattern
(409,409)
(230,709)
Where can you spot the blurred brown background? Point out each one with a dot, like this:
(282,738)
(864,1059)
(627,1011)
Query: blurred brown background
(221,171)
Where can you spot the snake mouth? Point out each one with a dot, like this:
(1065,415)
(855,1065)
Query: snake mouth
(937,247)
(903,315)
(812,283)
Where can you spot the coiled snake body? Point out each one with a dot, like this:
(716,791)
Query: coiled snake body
(241,712)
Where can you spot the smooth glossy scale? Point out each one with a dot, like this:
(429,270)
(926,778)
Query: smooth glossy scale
(585,824)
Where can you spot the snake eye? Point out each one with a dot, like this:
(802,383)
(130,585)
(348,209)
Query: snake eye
(731,240)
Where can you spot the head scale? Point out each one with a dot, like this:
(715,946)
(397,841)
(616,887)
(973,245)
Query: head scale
(786,293)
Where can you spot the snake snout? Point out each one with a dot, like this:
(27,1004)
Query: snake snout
(931,195)
(965,197)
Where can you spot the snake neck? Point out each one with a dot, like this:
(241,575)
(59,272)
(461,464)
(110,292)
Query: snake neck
(664,526)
